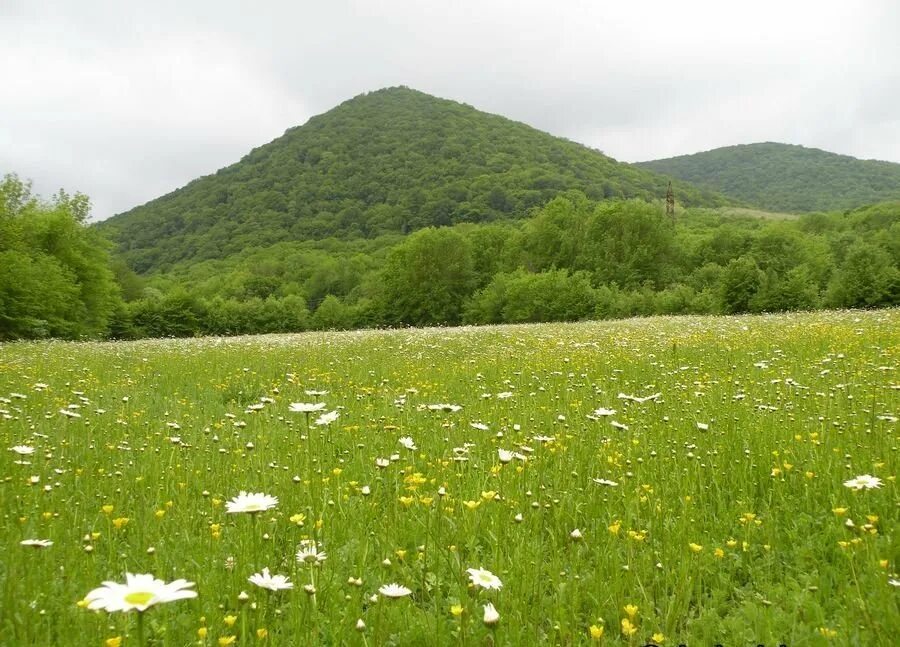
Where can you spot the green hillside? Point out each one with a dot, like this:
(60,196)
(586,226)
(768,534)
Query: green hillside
(783,177)
(387,162)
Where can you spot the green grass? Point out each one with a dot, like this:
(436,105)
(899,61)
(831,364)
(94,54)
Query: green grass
(795,405)
(743,212)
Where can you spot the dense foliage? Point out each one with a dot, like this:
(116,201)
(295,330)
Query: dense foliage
(574,259)
(783,177)
(55,276)
(387,162)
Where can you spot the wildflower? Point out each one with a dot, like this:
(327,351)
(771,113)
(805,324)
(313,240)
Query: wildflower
(628,629)
(36,543)
(306,407)
(505,455)
(262,633)
(695,547)
(491,617)
(407,442)
(658,638)
(115,641)
(596,632)
(456,610)
(202,633)
(139,592)
(631,610)
(120,522)
(271,582)
(22,450)
(309,553)
(394,590)
(229,620)
(827,633)
(576,535)
(360,625)
(484,578)
(603,412)
(606,482)
(615,527)
(863,482)
(225,641)
(251,502)
(839,511)
(326,418)
(719,553)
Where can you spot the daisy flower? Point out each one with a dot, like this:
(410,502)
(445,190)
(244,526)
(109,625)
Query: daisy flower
(394,590)
(306,407)
(484,578)
(22,450)
(407,442)
(139,593)
(326,418)
(36,543)
(491,616)
(863,482)
(272,582)
(251,502)
(309,553)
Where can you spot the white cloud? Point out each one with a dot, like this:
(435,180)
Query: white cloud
(126,101)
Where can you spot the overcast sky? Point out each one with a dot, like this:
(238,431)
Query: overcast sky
(126,102)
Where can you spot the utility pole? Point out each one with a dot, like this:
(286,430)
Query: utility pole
(670,203)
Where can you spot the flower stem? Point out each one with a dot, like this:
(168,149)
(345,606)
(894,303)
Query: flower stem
(140,629)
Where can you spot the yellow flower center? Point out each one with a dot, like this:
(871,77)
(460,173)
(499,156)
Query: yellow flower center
(139,597)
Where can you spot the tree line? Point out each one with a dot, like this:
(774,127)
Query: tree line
(575,258)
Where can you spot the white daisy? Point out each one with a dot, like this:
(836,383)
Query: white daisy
(491,616)
(407,442)
(22,450)
(272,582)
(863,482)
(484,578)
(505,455)
(326,418)
(36,543)
(306,407)
(309,553)
(605,482)
(251,502)
(139,593)
(394,590)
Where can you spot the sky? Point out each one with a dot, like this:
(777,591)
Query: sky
(127,101)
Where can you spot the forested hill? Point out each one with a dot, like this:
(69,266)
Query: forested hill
(783,177)
(390,161)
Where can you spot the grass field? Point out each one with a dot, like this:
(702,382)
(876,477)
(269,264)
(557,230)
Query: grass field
(713,512)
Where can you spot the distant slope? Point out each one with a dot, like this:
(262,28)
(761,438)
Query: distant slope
(386,162)
(782,177)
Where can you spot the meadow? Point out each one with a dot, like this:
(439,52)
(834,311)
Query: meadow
(695,480)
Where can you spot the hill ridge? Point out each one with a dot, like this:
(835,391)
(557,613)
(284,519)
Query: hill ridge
(786,177)
(388,161)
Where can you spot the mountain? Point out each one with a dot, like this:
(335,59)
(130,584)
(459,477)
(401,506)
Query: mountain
(390,161)
(782,177)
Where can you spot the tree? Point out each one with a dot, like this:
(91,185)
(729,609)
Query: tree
(740,282)
(865,279)
(55,276)
(426,278)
